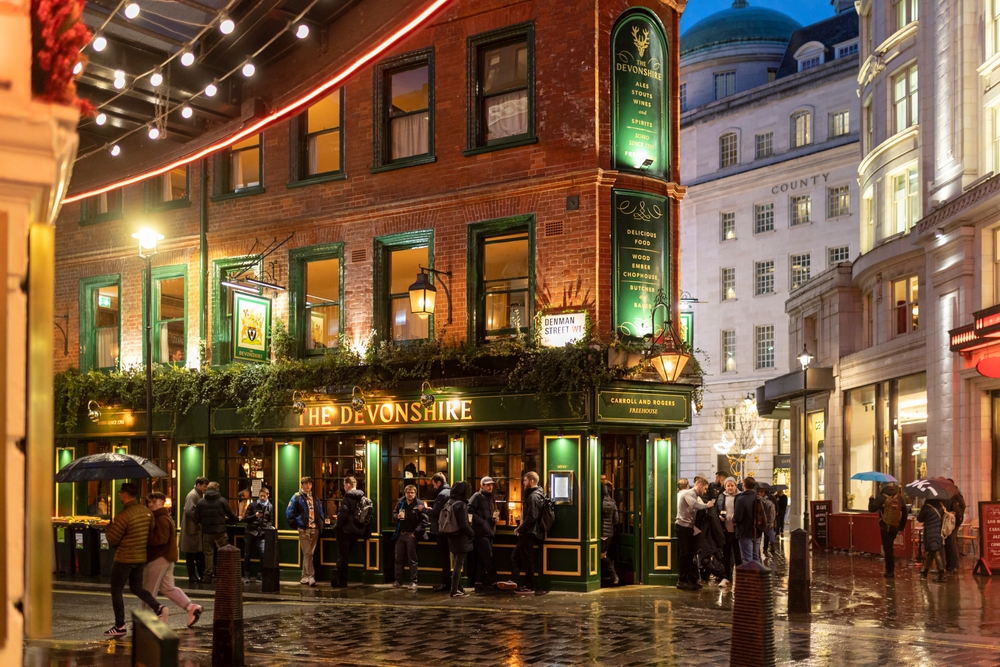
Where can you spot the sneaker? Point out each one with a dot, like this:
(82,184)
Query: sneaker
(312,581)
(443,588)
(304,581)
(194,613)
(164,613)
(116,631)
(460,594)
(413,588)
(506,585)
(724,583)
(246,581)
(397,584)
(524,590)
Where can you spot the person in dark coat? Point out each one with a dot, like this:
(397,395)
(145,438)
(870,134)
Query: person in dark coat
(889,504)
(484,514)
(460,543)
(347,529)
(213,513)
(409,517)
(190,537)
(781,505)
(259,516)
(931,515)
(746,536)
(441,494)
(956,505)
(712,540)
(609,519)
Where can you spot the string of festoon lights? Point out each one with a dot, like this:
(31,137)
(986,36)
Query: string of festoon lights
(186,55)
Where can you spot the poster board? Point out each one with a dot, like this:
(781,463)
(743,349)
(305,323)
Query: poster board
(819,514)
(989,538)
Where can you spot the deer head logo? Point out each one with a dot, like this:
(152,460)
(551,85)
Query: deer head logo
(640,43)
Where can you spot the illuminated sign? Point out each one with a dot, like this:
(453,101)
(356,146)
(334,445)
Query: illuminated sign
(103,301)
(388,413)
(636,407)
(639,240)
(251,327)
(561,329)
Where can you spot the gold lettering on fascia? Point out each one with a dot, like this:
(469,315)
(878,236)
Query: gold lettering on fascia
(643,406)
(800,184)
(389,413)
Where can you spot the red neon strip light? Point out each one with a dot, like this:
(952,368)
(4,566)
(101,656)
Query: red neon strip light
(276,115)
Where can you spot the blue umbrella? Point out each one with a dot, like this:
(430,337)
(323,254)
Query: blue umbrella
(874,476)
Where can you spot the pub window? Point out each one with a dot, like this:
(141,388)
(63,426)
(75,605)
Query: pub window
(800,209)
(904,99)
(413,459)
(315,277)
(729,419)
(725,84)
(317,140)
(764,346)
(801,129)
(905,12)
(242,464)
(100,322)
(504,279)
(399,258)
(729,351)
(728,284)
(838,255)
(404,111)
(764,277)
(506,456)
(101,208)
(840,123)
(763,218)
(800,265)
(906,311)
(905,200)
(239,170)
(728,221)
(169,316)
(335,457)
(763,145)
(501,87)
(684,96)
(728,150)
(168,190)
(838,201)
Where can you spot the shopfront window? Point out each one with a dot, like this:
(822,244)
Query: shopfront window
(816,441)
(413,459)
(861,445)
(505,456)
(334,458)
(163,455)
(240,462)
(911,428)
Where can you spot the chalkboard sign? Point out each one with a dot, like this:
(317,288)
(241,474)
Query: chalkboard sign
(989,538)
(820,511)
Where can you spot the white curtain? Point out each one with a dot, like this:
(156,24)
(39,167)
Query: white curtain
(507,115)
(107,347)
(410,135)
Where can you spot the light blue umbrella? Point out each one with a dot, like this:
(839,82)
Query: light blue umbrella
(874,476)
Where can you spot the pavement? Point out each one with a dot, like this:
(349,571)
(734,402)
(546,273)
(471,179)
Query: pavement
(858,619)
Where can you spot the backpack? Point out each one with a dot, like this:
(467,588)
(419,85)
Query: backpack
(363,512)
(546,513)
(447,521)
(947,523)
(759,516)
(892,511)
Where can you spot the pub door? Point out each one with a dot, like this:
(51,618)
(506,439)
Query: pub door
(618,466)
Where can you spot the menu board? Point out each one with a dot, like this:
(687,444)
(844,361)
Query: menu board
(639,238)
(989,535)
(820,511)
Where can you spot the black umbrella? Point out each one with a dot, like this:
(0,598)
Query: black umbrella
(108,465)
(934,488)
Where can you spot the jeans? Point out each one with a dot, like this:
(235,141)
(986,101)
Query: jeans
(195,565)
(345,542)
(456,572)
(130,573)
(308,538)
(485,572)
(406,552)
(158,577)
(685,555)
(209,543)
(253,543)
(748,551)
(524,559)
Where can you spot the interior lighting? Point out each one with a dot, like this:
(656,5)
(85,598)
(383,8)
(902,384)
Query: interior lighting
(187,59)
(99,43)
(101,119)
(115,150)
(211,89)
(187,112)
(302,31)
(156,78)
(154,132)
(248,69)
(132,10)
(226,25)
(119,79)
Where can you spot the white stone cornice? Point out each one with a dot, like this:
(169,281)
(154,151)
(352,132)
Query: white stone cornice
(911,132)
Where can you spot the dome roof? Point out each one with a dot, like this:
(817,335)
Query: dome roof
(740,24)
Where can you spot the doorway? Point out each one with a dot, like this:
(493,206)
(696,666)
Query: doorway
(618,466)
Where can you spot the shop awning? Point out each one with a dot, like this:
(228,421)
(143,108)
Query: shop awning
(784,388)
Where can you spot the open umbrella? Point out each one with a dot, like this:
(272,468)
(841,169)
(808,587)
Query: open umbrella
(108,465)
(873,476)
(779,487)
(935,488)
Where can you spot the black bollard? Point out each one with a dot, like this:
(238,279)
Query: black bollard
(153,642)
(270,572)
(799,574)
(753,617)
(227,627)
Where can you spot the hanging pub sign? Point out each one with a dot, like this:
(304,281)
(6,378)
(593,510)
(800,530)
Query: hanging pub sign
(251,327)
(638,87)
(639,239)
(687,328)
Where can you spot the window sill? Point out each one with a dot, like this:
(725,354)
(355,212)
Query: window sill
(499,146)
(807,223)
(245,192)
(404,162)
(764,294)
(169,205)
(316,179)
(728,240)
(103,217)
(765,231)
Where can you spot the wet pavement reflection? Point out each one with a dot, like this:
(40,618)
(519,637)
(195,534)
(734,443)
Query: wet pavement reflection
(858,618)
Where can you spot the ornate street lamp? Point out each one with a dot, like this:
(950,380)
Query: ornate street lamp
(148,239)
(665,352)
(805,359)
(423,293)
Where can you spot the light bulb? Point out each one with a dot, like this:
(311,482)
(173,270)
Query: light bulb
(155,78)
(99,43)
(154,132)
(211,90)
(187,112)
(248,69)
(302,31)
(227,25)
(132,10)
(77,68)
(119,80)
(187,59)
(101,119)
(115,150)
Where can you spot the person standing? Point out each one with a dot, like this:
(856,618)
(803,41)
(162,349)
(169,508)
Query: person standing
(781,507)
(484,525)
(409,516)
(931,515)
(956,505)
(770,511)
(459,542)
(716,488)
(213,513)
(258,517)
(442,492)
(129,533)
(743,520)
(190,541)
(529,533)
(161,554)
(305,514)
(609,519)
(347,529)
(726,507)
(688,504)
(892,515)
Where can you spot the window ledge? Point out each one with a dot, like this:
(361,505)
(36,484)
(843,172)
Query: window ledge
(169,205)
(766,231)
(245,192)
(764,294)
(102,217)
(318,178)
(489,148)
(729,240)
(801,224)
(404,162)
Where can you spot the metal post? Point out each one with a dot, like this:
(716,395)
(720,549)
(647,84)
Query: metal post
(149,357)
(805,449)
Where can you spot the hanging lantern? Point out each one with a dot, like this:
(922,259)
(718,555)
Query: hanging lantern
(669,364)
(422,295)
(357,399)
(426,397)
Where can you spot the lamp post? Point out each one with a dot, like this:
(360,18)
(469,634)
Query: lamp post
(148,239)
(805,359)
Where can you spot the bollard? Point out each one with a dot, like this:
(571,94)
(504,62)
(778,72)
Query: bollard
(227,626)
(270,573)
(154,644)
(753,617)
(799,574)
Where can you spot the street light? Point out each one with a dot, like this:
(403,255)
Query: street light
(665,352)
(148,239)
(805,359)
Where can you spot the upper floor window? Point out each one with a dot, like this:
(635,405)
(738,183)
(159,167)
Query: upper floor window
(840,123)
(404,110)
(995,27)
(838,201)
(725,84)
(763,218)
(399,259)
(772,74)
(728,284)
(801,129)
(869,315)
(904,12)
(801,269)
(809,55)
(170,315)
(317,136)
(905,200)
(239,170)
(100,322)
(102,208)
(810,62)
(728,222)
(904,98)
(501,83)
(906,311)
(763,277)
(728,150)
(168,190)
(729,418)
(315,284)
(866,112)
(838,255)
(846,50)
(800,210)
(764,344)
(763,145)
(503,278)
(684,96)
(996,138)
(729,351)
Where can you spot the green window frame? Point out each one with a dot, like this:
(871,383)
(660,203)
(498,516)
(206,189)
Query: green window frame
(479,235)
(89,331)
(222,299)
(161,274)
(477,76)
(223,171)
(299,309)
(384,115)
(104,207)
(179,186)
(301,139)
(384,246)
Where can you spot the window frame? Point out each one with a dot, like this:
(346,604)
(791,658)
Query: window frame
(793,134)
(830,251)
(477,234)
(726,355)
(757,330)
(726,217)
(761,140)
(724,282)
(381,131)
(758,276)
(383,246)
(794,220)
(726,79)
(298,258)
(682,95)
(834,118)
(867,117)
(910,99)
(907,307)
(89,205)
(476,45)
(153,193)
(729,149)
(165,273)
(759,210)
(222,341)
(904,12)
(842,194)
(800,276)
(298,150)
(910,201)
(222,173)
(88,341)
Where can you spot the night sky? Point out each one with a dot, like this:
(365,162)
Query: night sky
(803,11)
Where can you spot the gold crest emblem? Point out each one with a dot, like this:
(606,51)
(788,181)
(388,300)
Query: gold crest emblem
(640,43)
(251,327)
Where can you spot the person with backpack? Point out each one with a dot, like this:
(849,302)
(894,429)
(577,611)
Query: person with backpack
(409,516)
(213,513)
(609,519)
(770,512)
(932,515)
(535,513)
(892,518)
(454,522)
(442,492)
(957,506)
(352,524)
(305,514)
(749,520)
(688,504)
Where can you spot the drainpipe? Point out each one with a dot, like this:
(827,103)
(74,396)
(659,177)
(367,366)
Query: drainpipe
(203,253)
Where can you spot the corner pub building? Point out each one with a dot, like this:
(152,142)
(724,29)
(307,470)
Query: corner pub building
(526,152)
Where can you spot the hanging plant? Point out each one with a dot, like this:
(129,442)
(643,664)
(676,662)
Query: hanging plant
(57,36)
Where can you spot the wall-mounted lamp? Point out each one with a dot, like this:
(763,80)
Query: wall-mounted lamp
(298,406)
(665,352)
(93,411)
(357,399)
(423,293)
(426,397)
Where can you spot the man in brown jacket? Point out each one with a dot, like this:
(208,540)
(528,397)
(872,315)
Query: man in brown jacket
(161,554)
(129,533)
